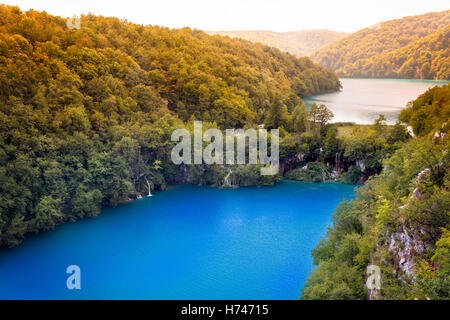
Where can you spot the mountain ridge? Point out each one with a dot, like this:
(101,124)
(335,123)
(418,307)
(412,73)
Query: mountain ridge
(299,43)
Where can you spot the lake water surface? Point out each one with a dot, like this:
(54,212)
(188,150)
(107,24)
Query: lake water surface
(363,100)
(188,242)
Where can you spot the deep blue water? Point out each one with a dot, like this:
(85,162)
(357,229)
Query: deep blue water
(363,100)
(188,242)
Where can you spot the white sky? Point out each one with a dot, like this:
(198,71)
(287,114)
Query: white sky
(276,15)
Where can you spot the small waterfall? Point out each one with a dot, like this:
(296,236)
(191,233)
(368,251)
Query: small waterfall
(361,164)
(335,172)
(149,187)
(226,180)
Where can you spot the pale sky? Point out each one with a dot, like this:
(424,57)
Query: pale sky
(275,15)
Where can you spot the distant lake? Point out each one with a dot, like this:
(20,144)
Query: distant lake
(188,242)
(363,100)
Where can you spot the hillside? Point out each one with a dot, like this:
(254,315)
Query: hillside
(212,78)
(412,47)
(299,43)
(399,220)
(426,58)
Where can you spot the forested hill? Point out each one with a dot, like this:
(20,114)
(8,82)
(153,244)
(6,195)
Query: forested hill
(426,58)
(299,43)
(230,81)
(86,116)
(412,47)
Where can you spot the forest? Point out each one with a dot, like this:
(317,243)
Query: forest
(398,221)
(414,47)
(86,115)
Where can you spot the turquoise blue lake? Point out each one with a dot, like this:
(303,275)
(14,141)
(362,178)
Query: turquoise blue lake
(188,242)
(363,100)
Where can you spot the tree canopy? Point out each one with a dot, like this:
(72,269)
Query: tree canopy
(86,115)
(415,47)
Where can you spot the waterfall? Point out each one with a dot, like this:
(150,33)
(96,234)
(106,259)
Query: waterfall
(335,172)
(149,187)
(226,180)
(361,164)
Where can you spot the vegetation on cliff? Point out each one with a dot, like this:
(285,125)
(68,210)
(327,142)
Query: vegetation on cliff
(399,220)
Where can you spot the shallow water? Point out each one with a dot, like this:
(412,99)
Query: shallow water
(363,100)
(188,242)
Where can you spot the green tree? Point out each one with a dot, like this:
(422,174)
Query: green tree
(277,114)
(300,120)
(48,213)
(319,116)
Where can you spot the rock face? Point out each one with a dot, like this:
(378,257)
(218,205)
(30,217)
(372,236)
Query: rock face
(410,131)
(419,179)
(404,245)
(290,163)
(422,174)
(184,176)
(407,242)
(440,135)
